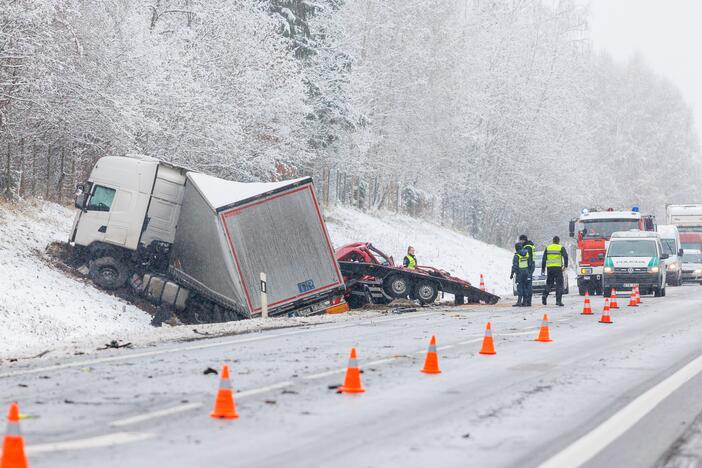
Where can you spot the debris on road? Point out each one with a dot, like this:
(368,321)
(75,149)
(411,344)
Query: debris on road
(114,344)
(210,370)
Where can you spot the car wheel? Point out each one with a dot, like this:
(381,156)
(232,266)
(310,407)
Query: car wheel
(108,272)
(396,286)
(426,292)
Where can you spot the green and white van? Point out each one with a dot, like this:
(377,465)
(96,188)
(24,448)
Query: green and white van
(634,258)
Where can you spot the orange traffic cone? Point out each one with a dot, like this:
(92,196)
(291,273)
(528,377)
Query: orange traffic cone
(587,308)
(13,445)
(605,313)
(224,407)
(352,382)
(488,345)
(632,298)
(431,363)
(544,335)
(613,300)
(482,282)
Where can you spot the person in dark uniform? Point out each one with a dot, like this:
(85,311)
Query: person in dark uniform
(531,248)
(410,261)
(555,261)
(522,265)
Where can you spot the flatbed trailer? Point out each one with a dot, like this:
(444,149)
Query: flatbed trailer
(369,280)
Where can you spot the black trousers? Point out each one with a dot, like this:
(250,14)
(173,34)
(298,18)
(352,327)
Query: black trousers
(554,275)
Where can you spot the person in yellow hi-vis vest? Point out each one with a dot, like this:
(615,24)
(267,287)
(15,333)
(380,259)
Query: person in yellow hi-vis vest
(410,261)
(555,261)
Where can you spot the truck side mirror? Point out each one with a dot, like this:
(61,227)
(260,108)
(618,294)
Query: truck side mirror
(571,228)
(680,252)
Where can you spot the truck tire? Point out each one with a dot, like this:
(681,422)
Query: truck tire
(426,292)
(108,273)
(396,286)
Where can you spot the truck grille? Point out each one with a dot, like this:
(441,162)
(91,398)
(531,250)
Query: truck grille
(633,270)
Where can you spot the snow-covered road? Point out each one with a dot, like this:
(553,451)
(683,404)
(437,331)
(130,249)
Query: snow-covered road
(519,408)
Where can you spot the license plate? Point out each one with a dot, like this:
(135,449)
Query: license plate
(628,285)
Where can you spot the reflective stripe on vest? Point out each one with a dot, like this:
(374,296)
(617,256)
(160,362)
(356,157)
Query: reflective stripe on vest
(554,258)
(411,261)
(523,261)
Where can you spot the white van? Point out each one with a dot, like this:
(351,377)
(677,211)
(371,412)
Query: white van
(634,258)
(670,241)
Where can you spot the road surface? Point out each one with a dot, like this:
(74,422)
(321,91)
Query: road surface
(625,394)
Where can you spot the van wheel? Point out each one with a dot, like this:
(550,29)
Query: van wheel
(108,272)
(657,292)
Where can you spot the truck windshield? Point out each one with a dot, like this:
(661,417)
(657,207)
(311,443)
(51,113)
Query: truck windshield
(632,248)
(604,228)
(669,246)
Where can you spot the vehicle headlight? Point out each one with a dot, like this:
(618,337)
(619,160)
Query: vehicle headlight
(654,269)
(672,267)
(608,270)
(698,271)
(585,271)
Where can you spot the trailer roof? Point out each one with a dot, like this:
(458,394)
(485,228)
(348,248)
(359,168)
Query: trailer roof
(221,193)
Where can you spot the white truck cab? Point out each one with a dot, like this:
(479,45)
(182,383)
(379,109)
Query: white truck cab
(128,202)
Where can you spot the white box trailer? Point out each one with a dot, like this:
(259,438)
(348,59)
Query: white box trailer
(202,241)
(230,232)
(688,218)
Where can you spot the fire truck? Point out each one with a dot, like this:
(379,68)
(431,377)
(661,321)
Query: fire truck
(592,231)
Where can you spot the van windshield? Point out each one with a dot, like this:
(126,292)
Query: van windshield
(632,248)
(669,246)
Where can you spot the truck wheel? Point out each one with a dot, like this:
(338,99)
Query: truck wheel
(396,286)
(108,272)
(426,292)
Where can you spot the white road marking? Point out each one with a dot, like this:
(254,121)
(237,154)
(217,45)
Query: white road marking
(592,443)
(108,440)
(155,414)
(256,391)
(192,406)
(323,374)
(381,361)
(218,344)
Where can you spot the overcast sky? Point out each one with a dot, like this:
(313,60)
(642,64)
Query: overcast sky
(667,33)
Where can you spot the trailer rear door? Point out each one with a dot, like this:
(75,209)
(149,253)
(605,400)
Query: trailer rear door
(282,234)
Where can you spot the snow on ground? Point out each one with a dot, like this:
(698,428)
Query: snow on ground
(42,308)
(435,246)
